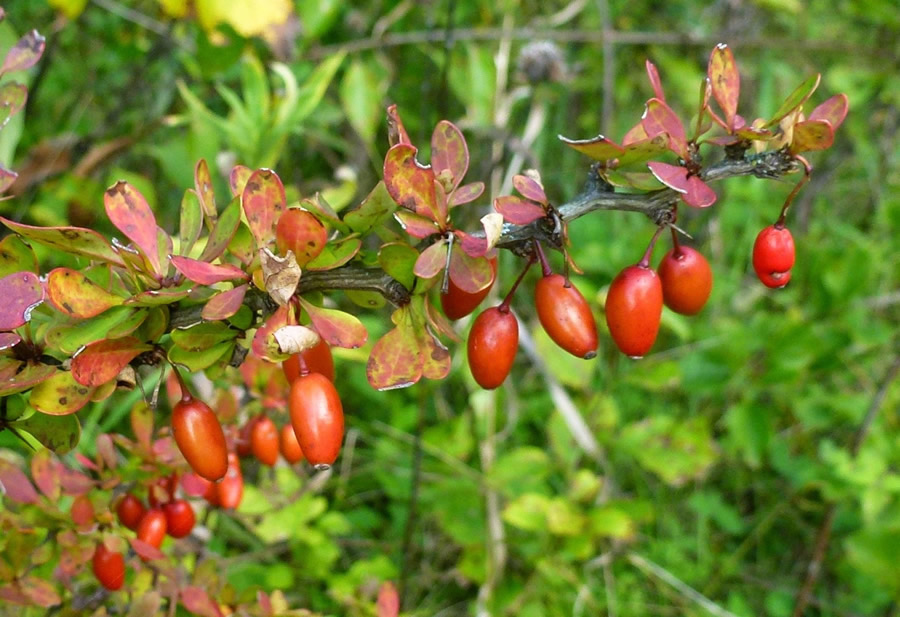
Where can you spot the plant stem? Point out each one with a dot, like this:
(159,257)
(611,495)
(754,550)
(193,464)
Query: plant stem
(645,260)
(504,306)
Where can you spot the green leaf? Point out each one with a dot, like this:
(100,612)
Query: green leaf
(872,551)
(69,240)
(223,232)
(196,361)
(16,256)
(675,451)
(796,98)
(398,259)
(520,471)
(361,95)
(528,512)
(312,90)
(335,254)
(191,222)
(611,522)
(375,210)
(203,336)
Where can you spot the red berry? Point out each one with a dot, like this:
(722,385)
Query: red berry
(318,418)
(152,528)
(492,345)
(264,440)
(566,316)
(200,438)
(318,359)
(243,445)
(633,309)
(82,511)
(290,447)
(773,256)
(458,303)
(130,511)
(299,231)
(686,280)
(180,518)
(230,490)
(162,490)
(109,567)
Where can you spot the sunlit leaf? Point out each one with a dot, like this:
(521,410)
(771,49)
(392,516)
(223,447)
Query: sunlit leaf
(338,328)
(410,184)
(25,53)
(21,292)
(204,190)
(796,98)
(598,148)
(659,118)
(224,304)
(834,110)
(263,201)
(812,135)
(70,240)
(398,259)
(725,81)
(396,360)
(60,395)
(449,153)
(101,361)
(73,294)
(205,273)
(129,212)
(643,150)
(435,358)
(518,211)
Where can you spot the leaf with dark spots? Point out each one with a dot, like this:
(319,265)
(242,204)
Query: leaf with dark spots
(60,395)
(102,361)
(812,135)
(16,256)
(205,273)
(237,179)
(21,292)
(396,131)
(396,360)
(75,295)
(409,183)
(129,212)
(263,201)
(725,82)
(70,240)
(204,188)
(25,53)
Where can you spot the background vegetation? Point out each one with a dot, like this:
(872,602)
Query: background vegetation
(755,433)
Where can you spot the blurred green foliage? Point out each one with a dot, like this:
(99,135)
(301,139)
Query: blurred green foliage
(721,451)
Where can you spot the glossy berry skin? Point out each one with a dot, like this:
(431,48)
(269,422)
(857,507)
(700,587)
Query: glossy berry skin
(492,345)
(686,280)
(318,418)
(458,303)
(230,491)
(290,447)
(180,518)
(130,511)
(774,255)
(264,441)
(152,528)
(633,310)
(566,316)
(318,359)
(109,567)
(200,438)
(299,231)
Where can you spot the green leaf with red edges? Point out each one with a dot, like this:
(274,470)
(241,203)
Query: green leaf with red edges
(410,184)
(396,131)
(659,118)
(338,328)
(224,304)
(432,260)
(754,134)
(223,232)
(101,361)
(155,297)
(16,484)
(60,395)
(205,273)
(21,292)
(812,135)
(396,360)
(638,180)
(653,76)
(375,209)
(264,344)
(57,433)
(470,274)
(25,53)
(191,222)
(16,256)
(518,211)
(398,259)
(796,98)
(18,377)
(336,254)
(12,99)
(204,188)
(725,82)
(416,225)
(7,178)
(598,148)
(436,358)
(70,240)
(530,189)
(263,201)
(466,194)
(449,153)
(237,179)
(644,150)
(834,110)
(129,212)
(73,294)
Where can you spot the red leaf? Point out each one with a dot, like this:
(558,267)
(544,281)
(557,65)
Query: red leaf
(8,340)
(237,179)
(101,361)
(635,134)
(21,292)
(449,152)
(432,260)
(198,602)
(388,600)
(39,591)
(71,240)
(396,131)
(145,551)
(106,451)
(409,183)
(530,188)
(659,118)
(466,193)
(7,178)
(130,213)
(25,54)
(673,176)
(194,485)
(205,273)
(518,211)
(74,482)
(12,99)
(416,225)
(473,246)
(653,75)
(45,471)
(338,328)
(470,274)
(396,360)
(436,359)
(812,135)
(75,295)
(16,378)
(699,194)
(224,304)
(15,484)
(834,110)
(82,511)
(263,201)
(203,186)
(598,148)
(725,82)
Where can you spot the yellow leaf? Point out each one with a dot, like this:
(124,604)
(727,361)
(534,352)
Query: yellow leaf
(174,8)
(69,8)
(247,17)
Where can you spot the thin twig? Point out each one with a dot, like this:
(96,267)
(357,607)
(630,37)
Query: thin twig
(678,585)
